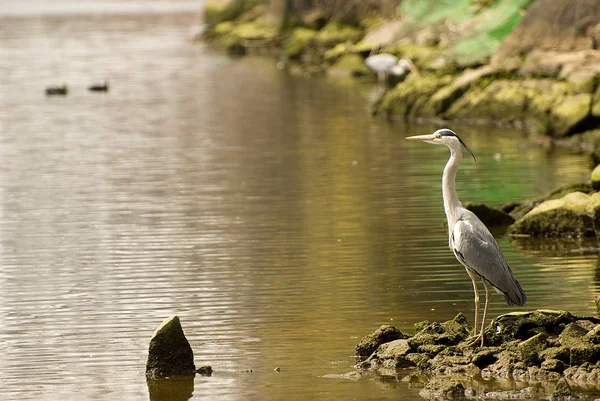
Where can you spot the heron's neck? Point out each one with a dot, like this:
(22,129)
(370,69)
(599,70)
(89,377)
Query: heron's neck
(451,202)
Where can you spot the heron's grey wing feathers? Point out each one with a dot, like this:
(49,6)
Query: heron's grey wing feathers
(476,248)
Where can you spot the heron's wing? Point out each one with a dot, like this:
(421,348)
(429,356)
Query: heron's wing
(477,249)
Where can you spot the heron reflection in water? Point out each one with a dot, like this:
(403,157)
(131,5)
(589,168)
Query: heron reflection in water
(470,240)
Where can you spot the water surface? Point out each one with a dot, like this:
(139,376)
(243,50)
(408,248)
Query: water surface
(266,209)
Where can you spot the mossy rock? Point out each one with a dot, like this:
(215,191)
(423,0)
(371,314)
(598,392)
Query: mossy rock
(444,97)
(583,81)
(524,325)
(596,104)
(217,11)
(384,334)
(595,178)
(531,348)
(556,353)
(352,64)
(391,355)
(566,216)
(334,33)
(410,98)
(256,30)
(298,40)
(488,215)
(448,333)
(572,335)
(566,115)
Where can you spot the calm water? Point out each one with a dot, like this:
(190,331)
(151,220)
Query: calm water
(267,210)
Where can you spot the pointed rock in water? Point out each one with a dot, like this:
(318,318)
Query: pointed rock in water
(170,354)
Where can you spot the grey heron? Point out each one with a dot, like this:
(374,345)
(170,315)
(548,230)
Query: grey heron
(387,65)
(469,239)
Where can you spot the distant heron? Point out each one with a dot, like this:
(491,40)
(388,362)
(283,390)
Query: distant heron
(470,240)
(103,87)
(387,66)
(57,90)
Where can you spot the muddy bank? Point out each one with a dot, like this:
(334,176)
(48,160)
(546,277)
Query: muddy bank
(543,352)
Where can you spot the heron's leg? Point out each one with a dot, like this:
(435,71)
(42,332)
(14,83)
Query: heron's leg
(473,277)
(381,77)
(485,308)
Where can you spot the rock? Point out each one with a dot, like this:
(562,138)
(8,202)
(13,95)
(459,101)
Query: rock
(596,104)
(595,178)
(583,81)
(553,365)
(352,64)
(444,389)
(572,335)
(593,336)
(297,41)
(443,98)
(489,216)
(409,98)
(530,349)
(354,376)
(334,33)
(205,370)
(564,217)
(562,391)
(217,11)
(391,355)
(524,325)
(557,353)
(384,34)
(385,334)
(593,211)
(451,332)
(169,354)
(565,116)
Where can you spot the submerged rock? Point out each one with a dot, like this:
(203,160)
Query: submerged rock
(488,215)
(169,354)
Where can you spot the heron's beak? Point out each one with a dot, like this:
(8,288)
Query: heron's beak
(421,138)
(414,69)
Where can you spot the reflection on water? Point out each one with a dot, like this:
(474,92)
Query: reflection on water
(268,211)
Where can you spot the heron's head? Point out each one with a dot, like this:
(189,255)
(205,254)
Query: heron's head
(443,136)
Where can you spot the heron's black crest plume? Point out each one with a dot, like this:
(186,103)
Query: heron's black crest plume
(447,132)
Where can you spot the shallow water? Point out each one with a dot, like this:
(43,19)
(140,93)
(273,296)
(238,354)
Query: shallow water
(267,210)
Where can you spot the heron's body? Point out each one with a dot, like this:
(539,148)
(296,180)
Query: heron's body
(387,65)
(469,239)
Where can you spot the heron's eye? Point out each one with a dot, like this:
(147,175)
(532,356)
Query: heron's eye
(438,136)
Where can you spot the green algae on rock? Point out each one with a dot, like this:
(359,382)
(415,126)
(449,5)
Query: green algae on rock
(536,346)
(569,216)
(384,334)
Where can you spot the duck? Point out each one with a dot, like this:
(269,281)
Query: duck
(103,87)
(57,90)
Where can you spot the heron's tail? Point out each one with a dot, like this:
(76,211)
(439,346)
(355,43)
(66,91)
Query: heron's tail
(516,295)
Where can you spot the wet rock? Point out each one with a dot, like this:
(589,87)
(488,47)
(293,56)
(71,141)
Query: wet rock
(205,370)
(351,64)
(391,355)
(385,334)
(562,354)
(528,393)
(566,115)
(354,376)
(443,98)
(217,11)
(451,332)
(443,389)
(553,365)
(409,98)
(488,215)
(572,335)
(559,217)
(297,41)
(169,354)
(595,178)
(531,348)
(563,392)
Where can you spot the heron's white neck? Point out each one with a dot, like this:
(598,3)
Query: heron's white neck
(451,202)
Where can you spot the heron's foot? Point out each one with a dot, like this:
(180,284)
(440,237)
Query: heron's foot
(475,340)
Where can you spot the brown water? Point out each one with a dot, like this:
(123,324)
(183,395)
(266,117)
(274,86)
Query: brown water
(267,210)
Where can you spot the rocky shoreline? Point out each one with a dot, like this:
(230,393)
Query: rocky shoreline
(478,65)
(553,348)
